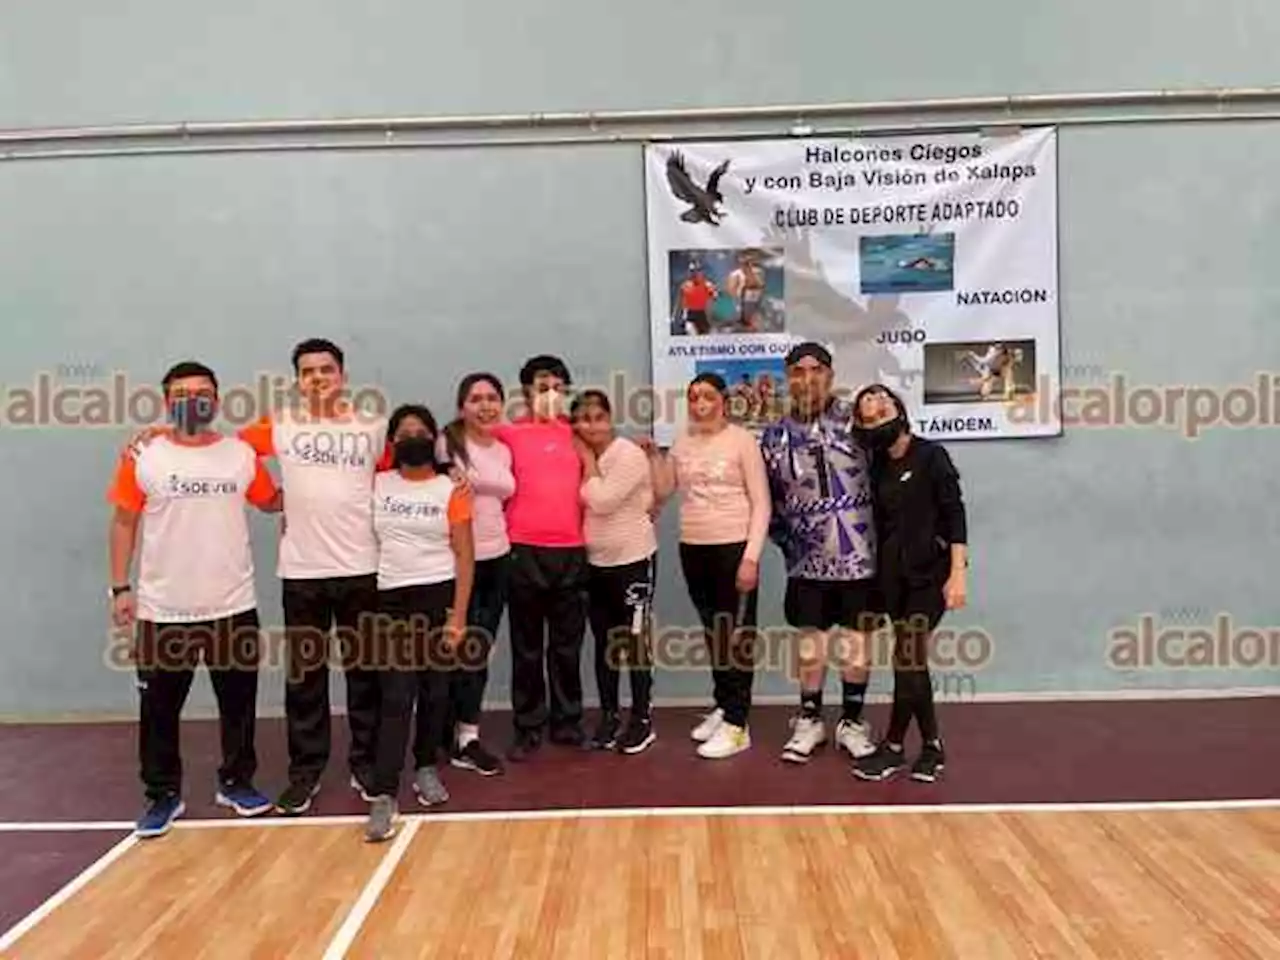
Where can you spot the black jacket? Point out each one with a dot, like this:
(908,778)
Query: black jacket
(919,510)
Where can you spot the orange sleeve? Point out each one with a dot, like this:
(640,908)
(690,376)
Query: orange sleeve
(260,436)
(459,507)
(262,488)
(388,457)
(125,492)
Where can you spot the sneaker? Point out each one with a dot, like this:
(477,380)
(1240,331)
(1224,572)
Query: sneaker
(381,824)
(569,736)
(854,737)
(606,735)
(358,781)
(638,735)
(725,742)
(930,763)
(709,725)
(475,757)
(807,735)
(243,799)
(881,764)
(296,798)
(428,787)
(525,745)
(159,816)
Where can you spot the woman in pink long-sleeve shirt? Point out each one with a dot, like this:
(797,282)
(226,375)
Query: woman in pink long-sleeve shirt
(617,491)
(719,472)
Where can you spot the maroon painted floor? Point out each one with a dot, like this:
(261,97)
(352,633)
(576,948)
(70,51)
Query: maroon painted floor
(997,753)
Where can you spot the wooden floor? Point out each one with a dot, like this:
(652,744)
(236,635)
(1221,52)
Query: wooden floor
(1149,883)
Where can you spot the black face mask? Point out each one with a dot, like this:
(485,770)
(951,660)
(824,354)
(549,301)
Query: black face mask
(191,414)
(883,436)
(416,451)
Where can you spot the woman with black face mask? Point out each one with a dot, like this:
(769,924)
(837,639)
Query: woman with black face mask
(426,565)
(922,540)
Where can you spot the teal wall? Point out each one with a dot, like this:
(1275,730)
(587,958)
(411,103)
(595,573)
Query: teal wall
(429,263)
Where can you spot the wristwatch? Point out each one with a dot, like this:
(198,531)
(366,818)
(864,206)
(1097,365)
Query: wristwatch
(115,591)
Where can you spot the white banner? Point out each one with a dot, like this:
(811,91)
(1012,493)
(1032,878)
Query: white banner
(926,263)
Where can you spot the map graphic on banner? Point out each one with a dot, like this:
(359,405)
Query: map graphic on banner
(926,263)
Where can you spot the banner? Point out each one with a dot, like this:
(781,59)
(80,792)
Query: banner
(926,263)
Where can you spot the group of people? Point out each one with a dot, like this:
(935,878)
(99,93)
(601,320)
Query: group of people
(407,541)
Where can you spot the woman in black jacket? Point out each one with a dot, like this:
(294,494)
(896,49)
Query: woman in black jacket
(922,559)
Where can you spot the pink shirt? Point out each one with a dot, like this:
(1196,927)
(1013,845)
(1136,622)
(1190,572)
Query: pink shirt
(546,510)
(617,524)
(492,484)
(724,489)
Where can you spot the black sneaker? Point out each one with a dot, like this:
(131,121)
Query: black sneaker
(475,757)
(569,736)
(638,735)
(930,763)
(360,781)
(525,745)
(881,765)
(606,735)
(296,798)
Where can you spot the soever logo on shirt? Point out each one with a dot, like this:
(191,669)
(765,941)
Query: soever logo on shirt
(411,509)
(179,486)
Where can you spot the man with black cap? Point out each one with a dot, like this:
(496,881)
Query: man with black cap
(822,521)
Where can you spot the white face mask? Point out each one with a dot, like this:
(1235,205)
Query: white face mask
(548,404)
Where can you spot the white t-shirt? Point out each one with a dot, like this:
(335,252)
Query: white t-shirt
(195,561)
(412,520)
(327,469)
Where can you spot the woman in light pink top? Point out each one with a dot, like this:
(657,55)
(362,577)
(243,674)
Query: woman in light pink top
(617,493)
(719,472)
(469,447)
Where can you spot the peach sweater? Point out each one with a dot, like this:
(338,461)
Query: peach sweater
(724,489)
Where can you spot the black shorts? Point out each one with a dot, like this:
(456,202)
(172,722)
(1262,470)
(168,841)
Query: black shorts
(823,604)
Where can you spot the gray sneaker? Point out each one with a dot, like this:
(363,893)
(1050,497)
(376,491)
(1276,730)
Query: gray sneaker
(428,787)
(381,824)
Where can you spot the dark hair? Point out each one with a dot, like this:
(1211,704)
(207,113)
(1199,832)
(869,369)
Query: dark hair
(714,379)
(881,389)
(590,398)
(454,436)
(188,368)
(401,414)
(318,345)
(543,363)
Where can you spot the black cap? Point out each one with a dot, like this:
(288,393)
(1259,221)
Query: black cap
(809,349)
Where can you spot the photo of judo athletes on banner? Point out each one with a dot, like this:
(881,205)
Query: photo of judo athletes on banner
(726,291)
(971,372)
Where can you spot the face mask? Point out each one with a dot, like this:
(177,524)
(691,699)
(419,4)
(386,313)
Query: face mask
(548,404)
(416,451)
(883,436)
(191,414)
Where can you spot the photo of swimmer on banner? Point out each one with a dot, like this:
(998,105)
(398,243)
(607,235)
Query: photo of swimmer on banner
(726,291)
(999,370)
(757,389)
(907,263)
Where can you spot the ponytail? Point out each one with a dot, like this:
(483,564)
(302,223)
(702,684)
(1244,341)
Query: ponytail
(455,443)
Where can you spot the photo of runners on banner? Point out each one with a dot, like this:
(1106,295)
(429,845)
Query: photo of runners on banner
(926,263)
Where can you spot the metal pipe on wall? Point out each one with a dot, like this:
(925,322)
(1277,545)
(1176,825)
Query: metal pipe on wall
(750,121)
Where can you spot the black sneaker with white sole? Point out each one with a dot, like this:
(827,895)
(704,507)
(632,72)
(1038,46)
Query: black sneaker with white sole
(475,757)
(605,736)
(360,784)
(638,735)
(930,764)
(881,765)
(297,798)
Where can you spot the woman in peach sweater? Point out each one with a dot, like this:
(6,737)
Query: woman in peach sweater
(718,471)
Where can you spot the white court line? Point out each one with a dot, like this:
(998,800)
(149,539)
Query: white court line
(607,813)
(25,925)
(360,911)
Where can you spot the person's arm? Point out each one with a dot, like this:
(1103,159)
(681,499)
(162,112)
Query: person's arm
(260,436)
(606,493)
(127,498)
(949,503)
(770,442)
(263,492)
(757,482)
(462,539)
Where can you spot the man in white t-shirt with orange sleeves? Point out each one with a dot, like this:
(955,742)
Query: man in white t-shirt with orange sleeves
(328,453)
(195,598)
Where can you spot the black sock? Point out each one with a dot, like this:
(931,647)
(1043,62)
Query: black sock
(811,704)
(853,696)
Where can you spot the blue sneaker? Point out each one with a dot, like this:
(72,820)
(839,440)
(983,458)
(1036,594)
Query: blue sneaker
(159,816)
(243,799)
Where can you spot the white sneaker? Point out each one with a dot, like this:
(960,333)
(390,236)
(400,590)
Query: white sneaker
(725,742)
(808,735)
(709,725)
(855,738)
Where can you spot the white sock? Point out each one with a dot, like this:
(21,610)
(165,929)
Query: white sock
(466,733)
